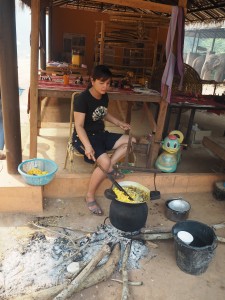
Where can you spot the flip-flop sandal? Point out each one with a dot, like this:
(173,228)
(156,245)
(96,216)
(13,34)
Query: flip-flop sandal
(94,208)
(116,174)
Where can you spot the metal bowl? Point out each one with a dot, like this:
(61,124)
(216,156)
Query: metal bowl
(177,209)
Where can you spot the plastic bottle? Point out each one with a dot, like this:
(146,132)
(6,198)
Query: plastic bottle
(195,127)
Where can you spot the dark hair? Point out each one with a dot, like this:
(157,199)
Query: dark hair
(101,72)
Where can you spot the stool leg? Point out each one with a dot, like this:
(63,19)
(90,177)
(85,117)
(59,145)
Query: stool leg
(65,164)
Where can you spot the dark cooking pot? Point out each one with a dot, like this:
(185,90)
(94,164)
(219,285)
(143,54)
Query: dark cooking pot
(127,217)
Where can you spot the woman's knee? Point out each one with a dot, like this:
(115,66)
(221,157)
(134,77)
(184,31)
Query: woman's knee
(133,140)
(104,160)
(123,140)
(126,139)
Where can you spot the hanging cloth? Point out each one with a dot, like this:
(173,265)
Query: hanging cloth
(174,64)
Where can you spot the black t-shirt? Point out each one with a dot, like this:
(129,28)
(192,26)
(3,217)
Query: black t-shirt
(94,109)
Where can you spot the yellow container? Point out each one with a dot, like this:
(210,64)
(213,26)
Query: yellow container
(76,59)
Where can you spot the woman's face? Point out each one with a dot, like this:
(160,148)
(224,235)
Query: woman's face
(101,86)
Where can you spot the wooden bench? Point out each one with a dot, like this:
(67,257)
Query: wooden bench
(216,145)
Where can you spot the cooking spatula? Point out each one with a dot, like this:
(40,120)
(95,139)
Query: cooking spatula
(114,182)
(112,179)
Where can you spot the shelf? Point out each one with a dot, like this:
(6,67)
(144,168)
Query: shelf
(122,48)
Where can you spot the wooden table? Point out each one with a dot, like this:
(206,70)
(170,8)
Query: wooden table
(181,103)
(57,89)
(73,69)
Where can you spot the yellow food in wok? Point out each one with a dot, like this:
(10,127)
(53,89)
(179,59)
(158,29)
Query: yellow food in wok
(37,172)
(137,194)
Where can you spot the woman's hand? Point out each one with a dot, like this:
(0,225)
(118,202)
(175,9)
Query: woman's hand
(113,120)
(90,153)
(124,126)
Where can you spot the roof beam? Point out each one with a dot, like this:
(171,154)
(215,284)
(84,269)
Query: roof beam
(164,8)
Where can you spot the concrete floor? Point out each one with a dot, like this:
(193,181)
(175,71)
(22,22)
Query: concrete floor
(53,138)
(54,135)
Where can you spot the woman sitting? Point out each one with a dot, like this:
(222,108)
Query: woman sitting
(90,137)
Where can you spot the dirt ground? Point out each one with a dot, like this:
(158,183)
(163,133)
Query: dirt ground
(162,278)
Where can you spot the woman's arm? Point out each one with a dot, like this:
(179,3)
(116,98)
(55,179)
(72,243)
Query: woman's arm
(110,118)
(79,125)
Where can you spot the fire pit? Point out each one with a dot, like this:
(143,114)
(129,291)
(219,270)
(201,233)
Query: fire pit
(96,254)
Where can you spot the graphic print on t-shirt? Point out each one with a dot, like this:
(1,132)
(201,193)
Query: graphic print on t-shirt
(99,113)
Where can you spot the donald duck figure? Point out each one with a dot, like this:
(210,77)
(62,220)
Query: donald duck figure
(168,160)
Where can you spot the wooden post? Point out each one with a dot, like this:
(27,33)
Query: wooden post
(35,20)
(162,109)
(141,4)
(155,50)
(43,39)
(154,150)
(102,44)
(183,3)
(9,85)
(50,33)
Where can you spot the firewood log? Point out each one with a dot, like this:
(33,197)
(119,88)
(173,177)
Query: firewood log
(71,288)
(45,294)
(125,290)
(153,236)
(155,230)
(104,272)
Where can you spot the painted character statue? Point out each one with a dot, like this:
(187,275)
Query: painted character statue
(167,161)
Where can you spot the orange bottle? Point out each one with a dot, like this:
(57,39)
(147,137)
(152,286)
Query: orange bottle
(66,79)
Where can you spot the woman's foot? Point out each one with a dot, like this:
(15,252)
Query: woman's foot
(94,207)
(116,174)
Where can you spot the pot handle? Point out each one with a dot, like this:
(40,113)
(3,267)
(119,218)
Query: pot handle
(109,194)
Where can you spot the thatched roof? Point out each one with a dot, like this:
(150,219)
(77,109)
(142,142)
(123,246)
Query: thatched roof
(197,10)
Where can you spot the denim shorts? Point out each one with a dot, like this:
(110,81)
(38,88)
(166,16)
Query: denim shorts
(101,142)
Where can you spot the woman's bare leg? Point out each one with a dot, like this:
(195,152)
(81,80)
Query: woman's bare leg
(96,179)
(120,149)
(107,163)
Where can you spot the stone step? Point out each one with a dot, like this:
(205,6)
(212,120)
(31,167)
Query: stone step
(75,185)
(17,196)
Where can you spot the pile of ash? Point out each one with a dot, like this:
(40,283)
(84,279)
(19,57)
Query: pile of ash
(42,261)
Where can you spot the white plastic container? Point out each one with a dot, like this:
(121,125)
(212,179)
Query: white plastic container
(185,237)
